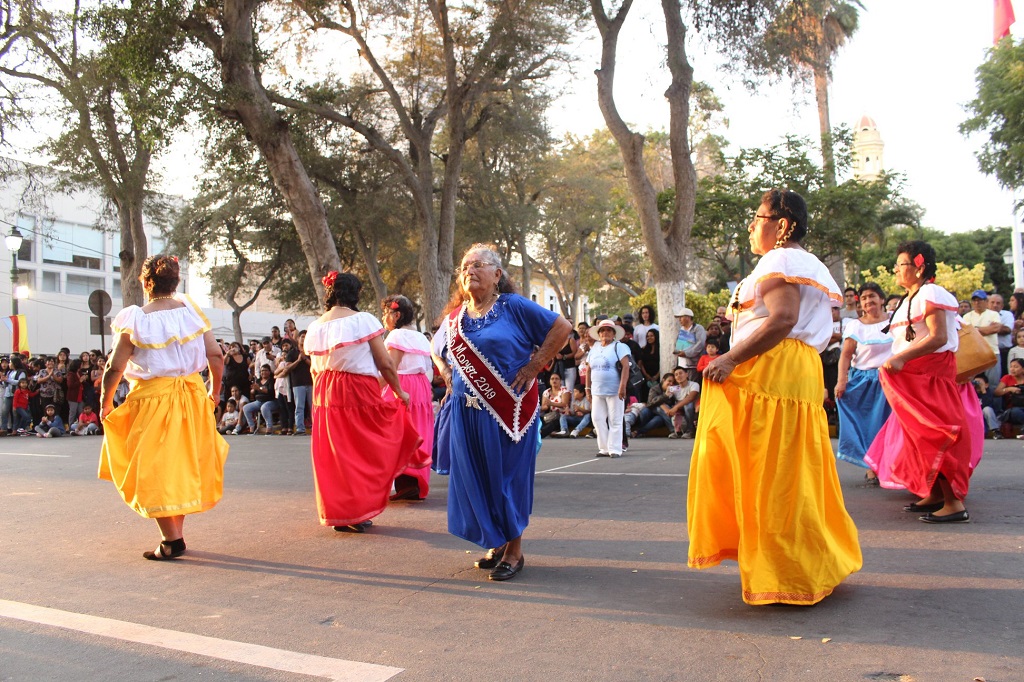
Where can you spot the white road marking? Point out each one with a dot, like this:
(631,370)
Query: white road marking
(239,652)
(32,454)
(548,471)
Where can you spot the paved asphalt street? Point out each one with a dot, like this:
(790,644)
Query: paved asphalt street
(265,593)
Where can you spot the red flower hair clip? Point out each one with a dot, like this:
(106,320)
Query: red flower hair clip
(394,305)
(918,261)
(328,280)
(174,258)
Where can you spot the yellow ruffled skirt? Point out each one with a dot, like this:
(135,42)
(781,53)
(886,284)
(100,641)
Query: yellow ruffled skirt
(763,487)
(161,448)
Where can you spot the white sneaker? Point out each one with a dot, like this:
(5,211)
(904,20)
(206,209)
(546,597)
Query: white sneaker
(574,434)
(559,433)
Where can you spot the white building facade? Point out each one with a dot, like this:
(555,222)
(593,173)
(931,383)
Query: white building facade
(69,249)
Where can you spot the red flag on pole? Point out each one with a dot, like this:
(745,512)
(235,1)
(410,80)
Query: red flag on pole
(1003,20)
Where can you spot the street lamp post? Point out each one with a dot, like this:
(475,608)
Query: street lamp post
(13,241)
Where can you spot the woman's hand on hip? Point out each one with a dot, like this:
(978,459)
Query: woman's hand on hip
(719,369)
(525,375)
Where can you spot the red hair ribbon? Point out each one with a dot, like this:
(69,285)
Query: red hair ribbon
(856,297)
(328,280)
(174,258)
(918,261)
(394,305)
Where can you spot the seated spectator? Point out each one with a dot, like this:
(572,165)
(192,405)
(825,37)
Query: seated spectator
(1017,350)
(554,404)
(684,412)
(50,424)
(262,401)
(990,406)
(87,424)
(654,414)
(631,415)
(1009,389)
(23,394)
(578,414)
(229,420)
(240,402)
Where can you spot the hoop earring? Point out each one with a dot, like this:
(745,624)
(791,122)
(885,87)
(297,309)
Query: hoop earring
(781,241)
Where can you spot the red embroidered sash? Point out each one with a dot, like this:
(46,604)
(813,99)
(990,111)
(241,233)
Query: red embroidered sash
(514,413)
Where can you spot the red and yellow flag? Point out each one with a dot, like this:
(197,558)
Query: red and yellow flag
(1003,20)
(19,333)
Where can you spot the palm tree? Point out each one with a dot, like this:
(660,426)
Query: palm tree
(802,42)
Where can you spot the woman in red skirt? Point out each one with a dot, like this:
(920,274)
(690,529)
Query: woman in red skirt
(410,353)
(924,446)
(361,442)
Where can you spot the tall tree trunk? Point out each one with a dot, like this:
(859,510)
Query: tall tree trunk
(667,245)
(236,323)
(835,264)
(248,100)
(824,126)
(133,247)
(527,265)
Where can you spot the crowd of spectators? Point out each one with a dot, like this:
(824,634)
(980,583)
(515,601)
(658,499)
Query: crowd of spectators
(267,389)
(660,404)
(52,395)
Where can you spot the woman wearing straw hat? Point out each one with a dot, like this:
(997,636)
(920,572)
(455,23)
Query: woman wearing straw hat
(606,385)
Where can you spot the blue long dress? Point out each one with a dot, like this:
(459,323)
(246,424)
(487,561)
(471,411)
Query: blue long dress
(490,487)
(863,409)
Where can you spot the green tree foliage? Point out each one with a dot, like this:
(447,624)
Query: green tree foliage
(107,74)
(239,225)
(959,280)
(704,306)
(843,219)
(962,250)
(998,111)
(801,43)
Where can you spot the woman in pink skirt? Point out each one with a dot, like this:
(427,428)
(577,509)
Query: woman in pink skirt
(410,353)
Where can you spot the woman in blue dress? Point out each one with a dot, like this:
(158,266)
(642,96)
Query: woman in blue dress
(496,342)
(862,404)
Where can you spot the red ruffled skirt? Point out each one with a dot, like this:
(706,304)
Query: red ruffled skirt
(927,433)
(360,444)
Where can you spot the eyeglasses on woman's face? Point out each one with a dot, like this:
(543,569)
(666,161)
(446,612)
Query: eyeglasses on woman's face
(476,265)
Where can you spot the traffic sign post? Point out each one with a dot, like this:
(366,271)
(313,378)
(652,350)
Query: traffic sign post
(99,305)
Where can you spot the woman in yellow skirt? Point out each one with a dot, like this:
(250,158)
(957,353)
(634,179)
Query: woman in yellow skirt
(763,487)
(161,448)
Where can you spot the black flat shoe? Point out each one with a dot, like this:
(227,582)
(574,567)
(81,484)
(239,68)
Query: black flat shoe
(406,494)
(491,559)
(923,508)
(955,517)
(354,527)
(166,550)
(506,571)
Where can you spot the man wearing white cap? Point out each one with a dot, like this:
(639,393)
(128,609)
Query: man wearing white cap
(690,341)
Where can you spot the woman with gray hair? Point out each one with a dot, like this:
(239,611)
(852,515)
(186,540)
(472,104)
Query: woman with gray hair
(496,342)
